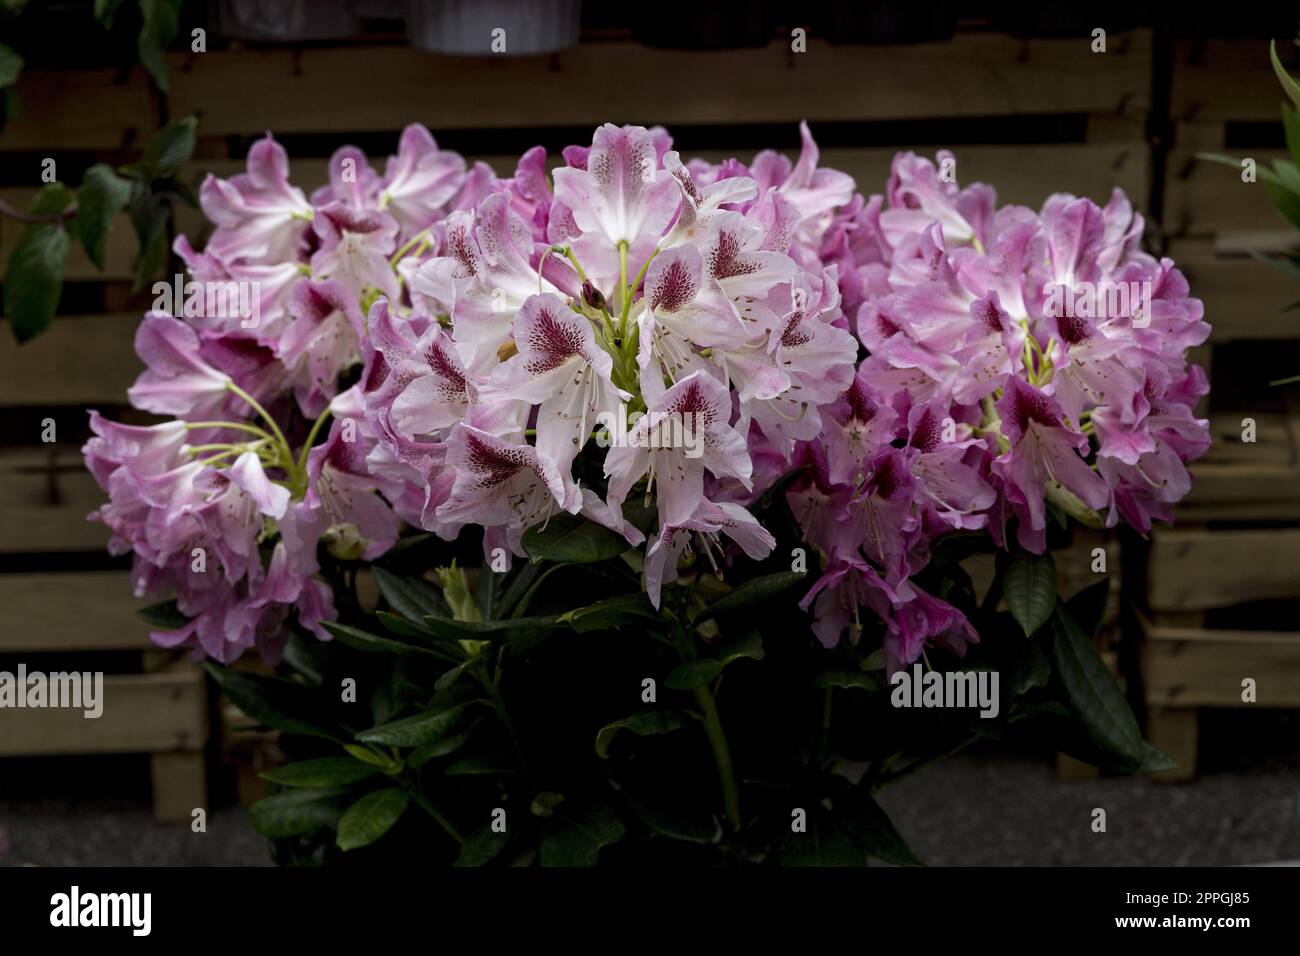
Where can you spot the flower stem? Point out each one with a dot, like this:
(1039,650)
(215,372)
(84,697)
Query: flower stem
(636,283)
(420,238)
(257,407)
(721,756)
(311,440)
(237,426)
(427,805)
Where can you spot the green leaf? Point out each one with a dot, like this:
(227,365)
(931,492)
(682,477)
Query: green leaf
(483,846)
(1283,265)
(323,773)
(1033,669)
(440,748)
(167,151)
(373,643)
(700,672)
(871,828)
(33,279)
(165,616)
(1088,607)
(569,539)
(875,661)
(480,766)
(161,19)
(648,722)
(279,704)
(105,10)
(371,817)
(1288,82)
(848,679)
(575,838)
(676,816)
(295,813)
(11,65)
(510,629)
(103,195)
(544,803)
(425,728)
(1029,586)
(1285,199)
(612,612)
(521,583)
(1291,126)
(1154,759)
(752,592)
(1091,693)
(149,218)
(822,844)
(411,597)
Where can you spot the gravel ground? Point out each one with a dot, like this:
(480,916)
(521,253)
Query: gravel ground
(977,809)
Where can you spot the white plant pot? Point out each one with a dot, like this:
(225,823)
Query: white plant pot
(286,20)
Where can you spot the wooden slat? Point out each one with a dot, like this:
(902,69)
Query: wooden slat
(1196,569)
(78,360)
(1243,298)
(365,89)
(70,611)
(1200,92)
(1205,197)
(1239,480)
(1189,667)
(143,713)
(40,513)
(80,110)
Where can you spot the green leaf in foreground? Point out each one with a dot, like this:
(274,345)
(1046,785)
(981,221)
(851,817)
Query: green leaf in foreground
(569,539)
(1092,695)
(871,828)
(1029,586)
(623,609)
(752,592)
(482,847)
(575,838)
(323,773)
(164,616)
(416,731)
(103,195)
(371,817)
(700,672)
(33,279)
(411,597)
(295,812)
(648,722)
(279,704)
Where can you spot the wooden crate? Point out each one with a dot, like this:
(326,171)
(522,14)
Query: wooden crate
(157,706)
(1199,581)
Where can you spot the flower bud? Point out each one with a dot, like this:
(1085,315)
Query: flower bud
(592,296)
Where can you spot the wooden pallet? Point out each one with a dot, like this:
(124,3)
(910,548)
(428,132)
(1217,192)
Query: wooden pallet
(1196,578)
(156,704)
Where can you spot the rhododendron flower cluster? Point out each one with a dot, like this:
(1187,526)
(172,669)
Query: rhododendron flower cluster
(438,347)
